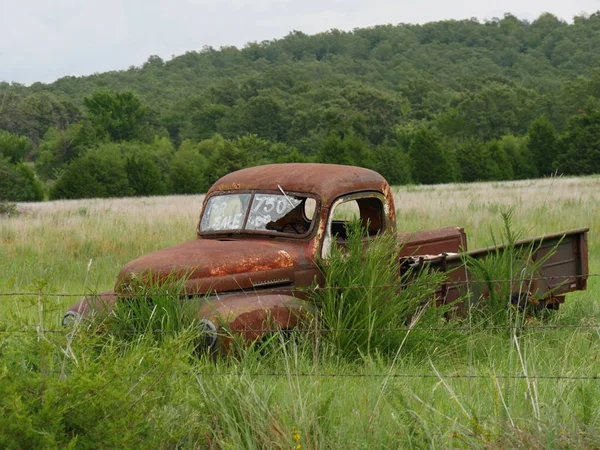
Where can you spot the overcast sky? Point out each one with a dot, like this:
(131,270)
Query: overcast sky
(42,40)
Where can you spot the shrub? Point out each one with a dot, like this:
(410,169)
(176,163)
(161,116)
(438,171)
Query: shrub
(394,164)
(8,209)
(100,172)
(13,146)
(499,291)
(18,183)
(143,175)
(187,171)
(60,146)
(431,164)
(361,308)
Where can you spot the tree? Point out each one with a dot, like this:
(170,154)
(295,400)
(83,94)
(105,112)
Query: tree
(35,113)
(520,158)
(99,173)
(347,149)
(188,171)
(500,166)
(431,165)
(542,145)
(143,175)
(59,147)
(18,183)
(119,115)
(13,146)
(498,109)
(280,153)
(393,163)
(473,160)
(581,143)
(229,159)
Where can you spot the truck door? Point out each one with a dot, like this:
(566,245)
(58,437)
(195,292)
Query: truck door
(368,207)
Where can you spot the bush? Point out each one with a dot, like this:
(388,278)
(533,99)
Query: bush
(8,209)
(98,173)
(18,183)
(143,175)
(59,147)
(431,164)
(394,164)
(13,146)
(361,309)
(187,171)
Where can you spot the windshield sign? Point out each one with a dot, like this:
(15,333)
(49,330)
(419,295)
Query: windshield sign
(267,212)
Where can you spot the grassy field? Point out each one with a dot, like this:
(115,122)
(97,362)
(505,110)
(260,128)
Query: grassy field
(446,389)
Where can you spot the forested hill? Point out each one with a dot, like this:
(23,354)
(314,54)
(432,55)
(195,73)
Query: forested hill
(445,101)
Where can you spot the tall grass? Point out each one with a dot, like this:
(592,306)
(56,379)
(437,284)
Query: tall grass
(471,388)
(500,291)
(361,307)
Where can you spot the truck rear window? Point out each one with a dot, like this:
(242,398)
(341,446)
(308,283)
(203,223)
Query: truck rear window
(263,212)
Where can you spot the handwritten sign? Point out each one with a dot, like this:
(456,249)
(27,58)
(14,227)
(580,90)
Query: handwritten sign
(225,212)
(267,208)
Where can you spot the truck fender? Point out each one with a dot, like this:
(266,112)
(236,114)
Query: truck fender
(251,316)
(90,304)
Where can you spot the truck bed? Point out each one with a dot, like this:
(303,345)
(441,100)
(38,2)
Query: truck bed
(548,267)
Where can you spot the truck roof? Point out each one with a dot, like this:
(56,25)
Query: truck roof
(329,181)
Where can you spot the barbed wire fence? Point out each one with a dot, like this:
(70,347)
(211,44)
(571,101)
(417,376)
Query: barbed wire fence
(40,331)
(410,283)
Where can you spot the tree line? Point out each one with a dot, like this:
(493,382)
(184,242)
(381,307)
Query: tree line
(447,101)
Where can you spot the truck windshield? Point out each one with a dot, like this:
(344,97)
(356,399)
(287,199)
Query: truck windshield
(273,213)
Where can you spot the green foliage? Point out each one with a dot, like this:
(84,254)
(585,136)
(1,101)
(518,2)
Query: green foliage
(498,109)
(520,158)
(473,160)
(230,158)
(393,163)
(32,113)
(143,174)
(503,275)
(280,153)
(431,164)
(120,116)
(8,209)
(500,164)
(345,149)
(338,97)
(581,143)
(19,184)
(188,170)
(100,172)
(361,309)
(111,401)
(13,146)
(60,146)
(543,145)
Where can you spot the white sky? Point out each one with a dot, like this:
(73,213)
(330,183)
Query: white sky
(42,40)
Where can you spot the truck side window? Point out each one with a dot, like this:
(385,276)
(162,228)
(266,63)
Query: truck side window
(369,210)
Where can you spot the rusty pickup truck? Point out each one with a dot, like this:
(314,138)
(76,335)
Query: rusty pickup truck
(263,230)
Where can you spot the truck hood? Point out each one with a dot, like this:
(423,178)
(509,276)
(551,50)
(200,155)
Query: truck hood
(208,265)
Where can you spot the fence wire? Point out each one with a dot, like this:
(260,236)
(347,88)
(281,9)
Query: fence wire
(317,288)
(380,375)
(470,329)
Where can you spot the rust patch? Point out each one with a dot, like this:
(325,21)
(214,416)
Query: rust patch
(328,181)
(254,264)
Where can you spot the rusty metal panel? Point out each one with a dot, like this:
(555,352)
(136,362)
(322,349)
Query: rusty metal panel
(433,242)
(328,181)
(563,267)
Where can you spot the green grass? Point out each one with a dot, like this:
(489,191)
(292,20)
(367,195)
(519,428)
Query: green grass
(478,389)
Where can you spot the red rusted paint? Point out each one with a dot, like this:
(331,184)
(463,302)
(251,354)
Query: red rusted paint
(328,181)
